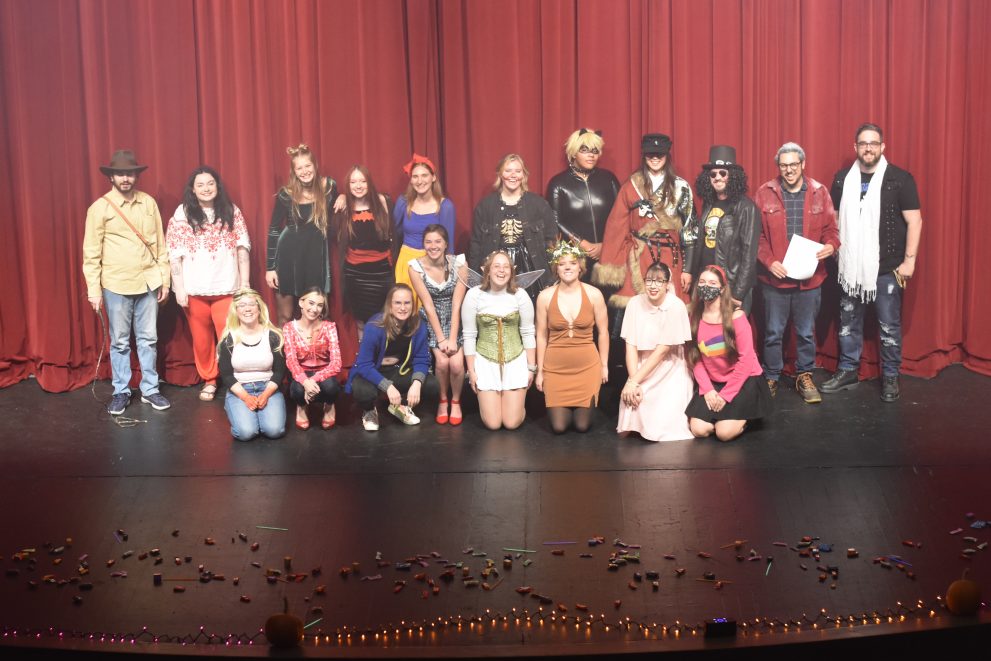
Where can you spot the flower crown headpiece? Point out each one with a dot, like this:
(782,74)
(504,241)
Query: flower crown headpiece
(563,249)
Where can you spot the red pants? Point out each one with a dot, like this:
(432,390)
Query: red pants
(207,316)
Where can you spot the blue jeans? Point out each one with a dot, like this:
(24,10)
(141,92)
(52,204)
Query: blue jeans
(888,306)
(246,424)
(137,313)
(803,308)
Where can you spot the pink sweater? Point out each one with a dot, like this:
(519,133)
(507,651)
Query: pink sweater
(714,364)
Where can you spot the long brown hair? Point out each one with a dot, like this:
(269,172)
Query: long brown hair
(726,310)
(441,231)
(667,188)
(393,327)
(410,194)
(294,188)
(342,219)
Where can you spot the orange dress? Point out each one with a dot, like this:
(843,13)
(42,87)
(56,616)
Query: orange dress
(572,369)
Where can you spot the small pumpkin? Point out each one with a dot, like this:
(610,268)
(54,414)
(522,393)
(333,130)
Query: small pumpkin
(284,630)
(963,597)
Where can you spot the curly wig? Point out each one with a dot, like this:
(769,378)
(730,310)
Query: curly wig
(736,187)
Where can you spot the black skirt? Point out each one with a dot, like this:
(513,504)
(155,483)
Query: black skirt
(365,287)
(752,402)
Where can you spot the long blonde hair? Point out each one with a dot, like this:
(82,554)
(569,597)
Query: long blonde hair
(294,188)
(233,327)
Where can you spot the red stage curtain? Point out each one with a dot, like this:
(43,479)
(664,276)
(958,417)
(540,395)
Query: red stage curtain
(233,83)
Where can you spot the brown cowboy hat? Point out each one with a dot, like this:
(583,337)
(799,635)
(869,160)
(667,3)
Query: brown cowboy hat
(123,160)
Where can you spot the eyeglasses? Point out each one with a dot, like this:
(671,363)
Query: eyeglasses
(655,283)
(864,145)
(585,150)
(785,167)
(718,174)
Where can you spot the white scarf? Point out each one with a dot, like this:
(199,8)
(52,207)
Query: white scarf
(859,240)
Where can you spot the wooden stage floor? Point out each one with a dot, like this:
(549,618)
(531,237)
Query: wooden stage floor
(853,472)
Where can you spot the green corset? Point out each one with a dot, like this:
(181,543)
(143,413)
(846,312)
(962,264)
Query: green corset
(499,337)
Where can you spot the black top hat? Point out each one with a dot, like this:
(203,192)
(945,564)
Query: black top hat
(123,160)
(655,143)
(721,156)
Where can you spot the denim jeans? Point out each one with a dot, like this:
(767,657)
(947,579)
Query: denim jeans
(803,308)
(246,424)
(137,313)
(888,306)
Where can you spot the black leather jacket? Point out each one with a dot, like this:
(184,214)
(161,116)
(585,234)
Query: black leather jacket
(737,240)
(581,206)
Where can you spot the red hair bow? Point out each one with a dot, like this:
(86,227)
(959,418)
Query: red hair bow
(418,160)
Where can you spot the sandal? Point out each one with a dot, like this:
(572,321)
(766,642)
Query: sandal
(455,419)
(329,417)
(442,418)
(207,392)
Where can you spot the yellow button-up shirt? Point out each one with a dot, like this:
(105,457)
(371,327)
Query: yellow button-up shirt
(114,257)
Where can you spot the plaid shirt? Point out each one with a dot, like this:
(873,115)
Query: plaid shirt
(794,206)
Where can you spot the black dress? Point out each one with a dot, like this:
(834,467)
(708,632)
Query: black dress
(297,249)
(368,271)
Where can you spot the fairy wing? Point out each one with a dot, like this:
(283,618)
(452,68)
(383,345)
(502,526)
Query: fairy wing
(474,277)
(524,280)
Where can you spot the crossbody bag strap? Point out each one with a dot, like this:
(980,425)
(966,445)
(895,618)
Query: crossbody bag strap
(133,228)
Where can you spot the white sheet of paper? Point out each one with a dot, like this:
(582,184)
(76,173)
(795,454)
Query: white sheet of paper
(800,261)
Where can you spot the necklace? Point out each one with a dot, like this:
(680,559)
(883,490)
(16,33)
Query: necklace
(580,171)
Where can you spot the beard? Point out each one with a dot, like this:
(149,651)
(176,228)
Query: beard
(125,188)
(869,160)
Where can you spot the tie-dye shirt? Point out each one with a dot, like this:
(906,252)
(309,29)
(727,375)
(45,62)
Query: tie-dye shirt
(714,365)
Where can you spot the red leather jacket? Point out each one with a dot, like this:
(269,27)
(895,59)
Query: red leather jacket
(818,224)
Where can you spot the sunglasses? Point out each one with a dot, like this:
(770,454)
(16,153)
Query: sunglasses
(718,174)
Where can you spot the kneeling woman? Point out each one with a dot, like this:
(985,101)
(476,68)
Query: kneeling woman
(656,328)
(731,389)
(251,360)
(570,367)
(313,356)
(500,349)
(393,358)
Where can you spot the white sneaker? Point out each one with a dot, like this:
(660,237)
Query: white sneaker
(370,420)
(404,413)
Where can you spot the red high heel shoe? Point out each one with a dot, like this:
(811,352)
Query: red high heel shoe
(455,420)
(328,422)
(303,424)
(442,419)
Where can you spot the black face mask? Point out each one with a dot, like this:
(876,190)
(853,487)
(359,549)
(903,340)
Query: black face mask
(709,293)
